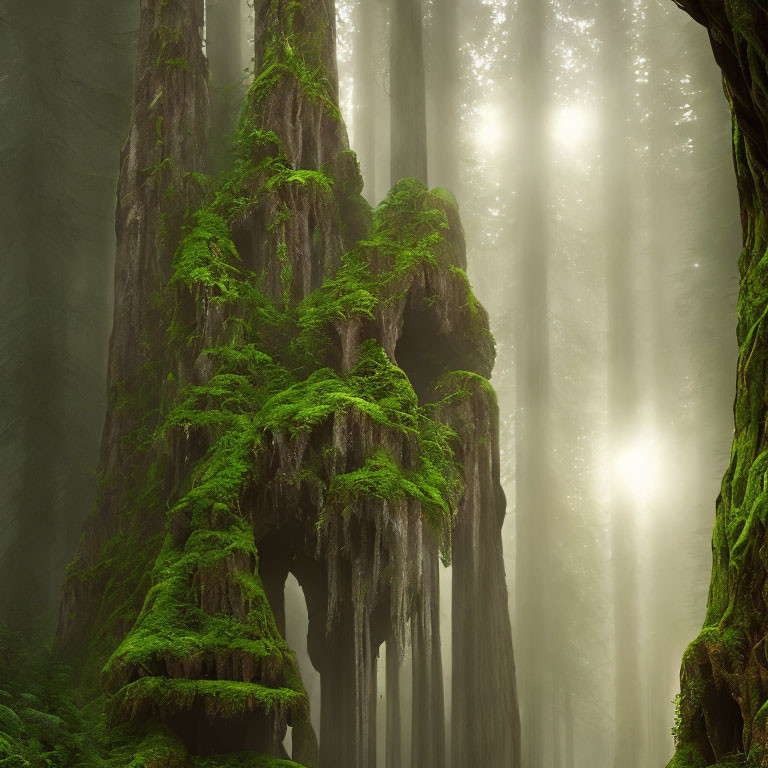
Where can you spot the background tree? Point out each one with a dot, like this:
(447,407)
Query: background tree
(533,428)
(65,97)
(408,110)
(224,50)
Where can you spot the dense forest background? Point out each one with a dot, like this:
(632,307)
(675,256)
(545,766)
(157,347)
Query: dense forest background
(588,146)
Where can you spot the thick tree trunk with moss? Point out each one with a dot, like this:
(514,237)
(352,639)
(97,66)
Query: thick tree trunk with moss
(723,709)
(165,144)
(320,369)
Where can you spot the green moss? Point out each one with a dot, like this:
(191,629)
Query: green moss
(221,698)
(294,56)
(178,63)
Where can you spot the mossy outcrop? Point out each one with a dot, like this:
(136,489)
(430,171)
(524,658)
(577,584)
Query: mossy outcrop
(724,680)
(315,402)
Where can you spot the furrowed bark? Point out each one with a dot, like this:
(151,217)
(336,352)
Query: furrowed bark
(723,708)
(167,141)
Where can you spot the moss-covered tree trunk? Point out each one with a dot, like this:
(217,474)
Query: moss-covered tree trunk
(723,709)
(167,141)
(316,404)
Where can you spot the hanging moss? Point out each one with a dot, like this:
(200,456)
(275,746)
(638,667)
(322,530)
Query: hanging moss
(279,380)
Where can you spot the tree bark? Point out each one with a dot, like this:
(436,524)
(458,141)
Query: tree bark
(408,110)
(223,49)
(365,96)
(166,141)
(724,678)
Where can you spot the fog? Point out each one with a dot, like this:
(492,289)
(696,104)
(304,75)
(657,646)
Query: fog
(588,145)
(589,148)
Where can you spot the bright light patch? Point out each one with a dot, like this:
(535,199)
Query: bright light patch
(489,132)
(637,467)
(572,124)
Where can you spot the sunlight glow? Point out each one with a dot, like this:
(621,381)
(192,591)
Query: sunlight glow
(638,468)
(489,134)
(572,124)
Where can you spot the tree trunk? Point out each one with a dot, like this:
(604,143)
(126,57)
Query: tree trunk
(533,391)
(394,745)
(408,110)
(223,48)
(166,141)
(622,388)
(299,419)
(724,683)
(365,96)
(444,93)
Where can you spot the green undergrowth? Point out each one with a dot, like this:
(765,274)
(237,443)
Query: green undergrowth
(46,723)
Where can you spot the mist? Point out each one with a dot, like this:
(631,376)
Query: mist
(588,145)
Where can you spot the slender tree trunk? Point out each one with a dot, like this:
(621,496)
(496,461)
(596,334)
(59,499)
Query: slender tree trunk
(428,713)
(622,390)
(223,49)
(365,117)
(394,742)
(445,95)
(408,111)
(533,449)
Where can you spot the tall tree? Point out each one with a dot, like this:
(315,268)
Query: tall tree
(365,94)
(722,680)
(723,684)
(622,376)
(224,36)
(67,72)
(533,390)
(294,412)
(408,110)
(445,95)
